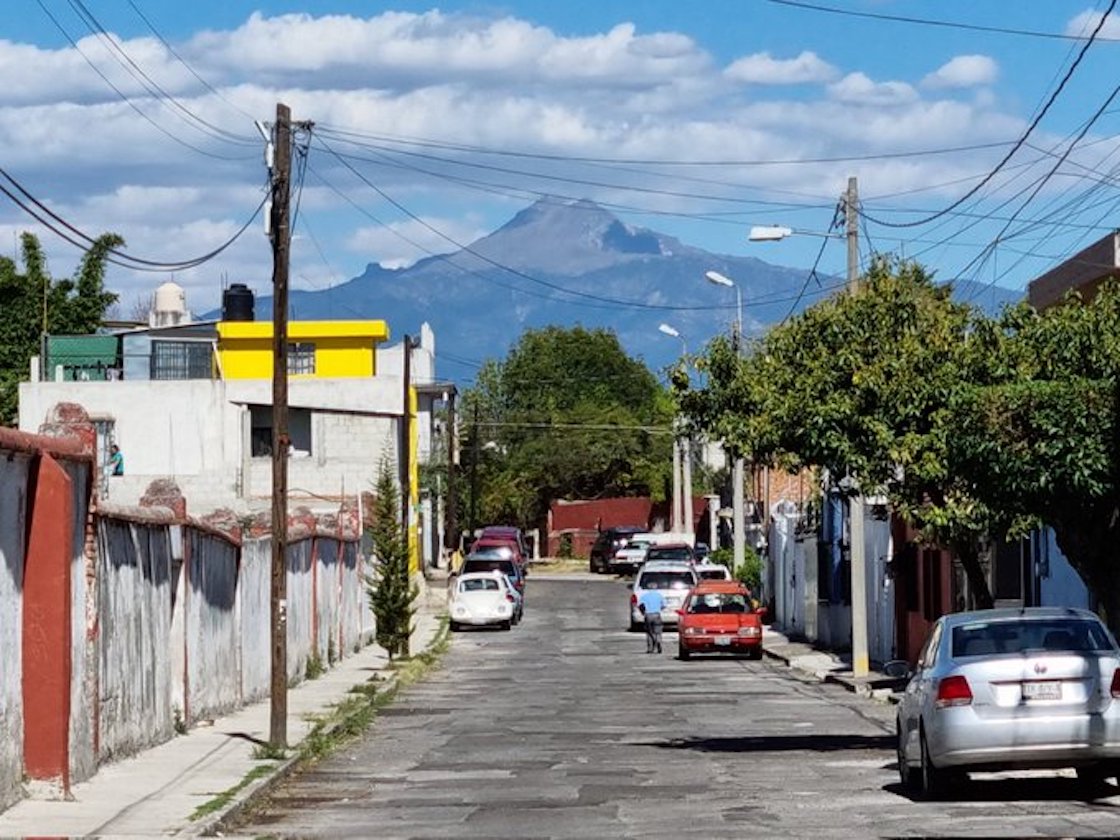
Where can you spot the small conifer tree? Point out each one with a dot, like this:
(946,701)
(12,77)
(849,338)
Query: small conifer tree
(392,594)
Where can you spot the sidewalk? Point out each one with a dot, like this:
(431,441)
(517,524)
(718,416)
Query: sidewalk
(156,792)
(830,667)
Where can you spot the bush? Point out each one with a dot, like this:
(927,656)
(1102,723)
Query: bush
(750,572)
(722,556)
(565,548)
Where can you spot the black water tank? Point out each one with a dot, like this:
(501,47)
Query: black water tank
(237,303)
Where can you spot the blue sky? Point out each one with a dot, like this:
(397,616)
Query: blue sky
(656,81)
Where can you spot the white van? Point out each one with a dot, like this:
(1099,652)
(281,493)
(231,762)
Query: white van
(630,557)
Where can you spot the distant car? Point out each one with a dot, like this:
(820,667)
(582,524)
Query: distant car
(607,543)
(630,557)
(480,599)
(701,550)
(489,543)
(675,580)
(718,617)
(1007,689)
(498,559)
(712,571)
(508,532)
(681,552)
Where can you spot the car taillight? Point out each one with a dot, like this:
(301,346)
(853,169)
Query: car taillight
(510,598)
(633,600)
(1116,683)
(953,691)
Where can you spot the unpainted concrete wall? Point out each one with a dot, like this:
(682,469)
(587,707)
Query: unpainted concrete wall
(300,609)
(134,605)
(254,603)
(327,594)
(13,483)
(353,604)
(213,638)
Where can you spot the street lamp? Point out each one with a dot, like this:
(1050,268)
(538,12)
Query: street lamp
(681,518)
(738,470)
(769,233)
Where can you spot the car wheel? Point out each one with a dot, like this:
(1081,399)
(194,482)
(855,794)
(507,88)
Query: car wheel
(934,781)
(910,780)
(755,653)
(505,625)
(683,653)
(635,627)
(455,626)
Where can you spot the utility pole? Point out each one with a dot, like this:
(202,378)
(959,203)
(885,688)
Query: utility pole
(404,448)
(475,450)
(281,245)
(738,502)
(675,517)
(452,514)
(687,521)
(860,658)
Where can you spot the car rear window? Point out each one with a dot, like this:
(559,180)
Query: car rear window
(681,553)
(714,574)
(986,638)
(665,580)
(487,565)
(478,585)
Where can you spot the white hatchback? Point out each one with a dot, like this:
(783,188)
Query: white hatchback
(674,579)
(481,599)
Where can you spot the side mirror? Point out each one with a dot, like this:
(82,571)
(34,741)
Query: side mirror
(898,669)
(762,613)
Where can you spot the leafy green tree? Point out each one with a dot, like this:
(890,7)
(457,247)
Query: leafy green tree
(1041,439)
(567,414)
(392,593)
(35,304)
(860,385)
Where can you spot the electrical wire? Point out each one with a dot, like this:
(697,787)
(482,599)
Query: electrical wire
(948,24)
(75,236)
(1022,139)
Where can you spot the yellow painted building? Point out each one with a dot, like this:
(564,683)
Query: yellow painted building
(316,349)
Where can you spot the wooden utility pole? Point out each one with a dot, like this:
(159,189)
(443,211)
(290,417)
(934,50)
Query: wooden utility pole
(858,549)
(475,451)
(404,454)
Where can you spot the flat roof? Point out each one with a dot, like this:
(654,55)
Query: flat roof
(375,330)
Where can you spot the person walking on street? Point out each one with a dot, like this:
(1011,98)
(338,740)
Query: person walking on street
(650,605)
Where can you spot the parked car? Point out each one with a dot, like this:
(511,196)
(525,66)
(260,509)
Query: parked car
(1008,689)
(508,532)
(671,551)
(480,599)
(607,543)
(631,556)
(496,559)
(712,571)
(701,550)
(489,543)
(717,617)
(675,580)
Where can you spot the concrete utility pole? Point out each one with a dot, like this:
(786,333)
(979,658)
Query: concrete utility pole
(281,246)
(687,521)
(860,659)
(738,502)
(404,447)
(675,517)
(475,451)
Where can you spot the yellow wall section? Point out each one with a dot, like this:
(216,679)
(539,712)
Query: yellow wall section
(343,349)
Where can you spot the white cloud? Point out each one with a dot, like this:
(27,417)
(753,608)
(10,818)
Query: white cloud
(857,88)
(1082,25)
(763,69)
(963,71)
(401,244)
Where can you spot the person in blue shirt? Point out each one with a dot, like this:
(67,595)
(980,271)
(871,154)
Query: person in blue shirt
(116,460)
(650,605)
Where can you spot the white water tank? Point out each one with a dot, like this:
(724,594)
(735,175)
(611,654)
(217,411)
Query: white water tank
(170,306)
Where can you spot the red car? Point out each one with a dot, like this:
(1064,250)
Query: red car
(718,617)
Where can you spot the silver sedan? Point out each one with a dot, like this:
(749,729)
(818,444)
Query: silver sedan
(1011,689)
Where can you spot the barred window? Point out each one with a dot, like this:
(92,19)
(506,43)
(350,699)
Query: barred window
(301,357)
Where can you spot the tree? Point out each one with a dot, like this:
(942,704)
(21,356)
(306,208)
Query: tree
(567,414)
(34,304)
(861,385)
(1041,438)
(392,594)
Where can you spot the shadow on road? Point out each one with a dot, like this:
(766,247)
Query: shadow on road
(1035,789)
(778,743)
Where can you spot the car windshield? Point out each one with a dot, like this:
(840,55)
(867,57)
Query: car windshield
(637,545)
(665,580)
(713,574)
(478,585)
(981,638)
(674,553)
(718,602)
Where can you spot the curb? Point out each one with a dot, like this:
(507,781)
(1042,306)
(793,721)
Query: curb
(878,695)
(214,824)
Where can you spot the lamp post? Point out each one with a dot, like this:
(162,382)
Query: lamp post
(738,468)
(769,233)
(681,517)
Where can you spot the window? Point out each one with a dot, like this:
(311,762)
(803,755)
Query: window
(182,360)
(301,357)
(260,432)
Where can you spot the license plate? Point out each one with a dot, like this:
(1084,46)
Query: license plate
(723,641)
(1042,690)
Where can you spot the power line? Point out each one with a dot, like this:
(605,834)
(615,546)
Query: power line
(1022,139)
(947,24)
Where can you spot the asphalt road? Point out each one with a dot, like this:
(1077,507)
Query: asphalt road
(564,727)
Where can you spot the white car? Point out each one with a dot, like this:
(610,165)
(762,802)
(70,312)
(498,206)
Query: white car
(630,557)
(482,599)
(712,571)
(675,580)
